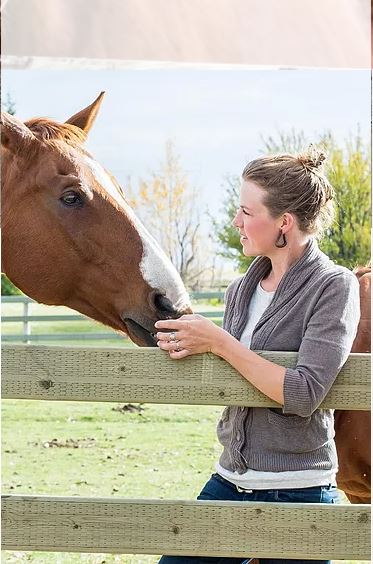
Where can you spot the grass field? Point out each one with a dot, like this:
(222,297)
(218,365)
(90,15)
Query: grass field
(94,449)
(88,449)
(162,452)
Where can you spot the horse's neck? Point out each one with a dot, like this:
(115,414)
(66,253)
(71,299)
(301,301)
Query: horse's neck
(362,341)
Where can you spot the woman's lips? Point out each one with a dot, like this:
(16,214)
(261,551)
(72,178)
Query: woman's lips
(243,238)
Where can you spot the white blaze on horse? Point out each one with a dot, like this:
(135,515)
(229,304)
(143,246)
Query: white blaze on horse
(69,236)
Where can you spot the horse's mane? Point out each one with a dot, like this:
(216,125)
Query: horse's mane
(48,130)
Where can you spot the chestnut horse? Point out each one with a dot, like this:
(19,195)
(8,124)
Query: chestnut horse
(352,428)
(69,235)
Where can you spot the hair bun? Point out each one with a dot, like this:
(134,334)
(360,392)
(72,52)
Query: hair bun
(312,158)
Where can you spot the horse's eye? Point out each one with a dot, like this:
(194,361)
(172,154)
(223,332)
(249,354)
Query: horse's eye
(72,199)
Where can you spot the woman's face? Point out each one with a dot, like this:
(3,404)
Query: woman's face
(258,229)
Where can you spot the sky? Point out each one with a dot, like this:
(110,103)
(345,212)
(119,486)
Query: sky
(215,117)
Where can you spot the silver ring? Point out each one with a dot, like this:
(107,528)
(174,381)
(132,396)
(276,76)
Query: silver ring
(172,337)
(177,349)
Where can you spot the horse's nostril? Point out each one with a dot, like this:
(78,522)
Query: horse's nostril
(163,304)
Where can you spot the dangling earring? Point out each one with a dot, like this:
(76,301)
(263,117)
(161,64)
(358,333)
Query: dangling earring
(281,244)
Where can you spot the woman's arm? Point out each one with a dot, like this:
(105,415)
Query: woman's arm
(324,349)
(325,345)
(196,334)
(265,375)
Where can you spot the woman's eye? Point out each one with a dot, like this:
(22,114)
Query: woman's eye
(72,200)
(245,212)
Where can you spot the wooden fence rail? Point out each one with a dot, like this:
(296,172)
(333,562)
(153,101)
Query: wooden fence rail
(149,376)
(71,524)
(206,528)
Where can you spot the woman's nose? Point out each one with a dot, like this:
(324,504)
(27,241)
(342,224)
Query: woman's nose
(237,220)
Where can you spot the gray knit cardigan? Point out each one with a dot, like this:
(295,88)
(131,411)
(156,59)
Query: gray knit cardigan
(315,311)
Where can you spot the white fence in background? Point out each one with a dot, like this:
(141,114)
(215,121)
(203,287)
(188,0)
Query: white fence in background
(26,336)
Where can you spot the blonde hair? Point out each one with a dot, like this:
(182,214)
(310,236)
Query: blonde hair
(296,184)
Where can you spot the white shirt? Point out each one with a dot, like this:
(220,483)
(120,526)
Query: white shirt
(255,479)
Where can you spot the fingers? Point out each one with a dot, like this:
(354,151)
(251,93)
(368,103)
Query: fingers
(169,336)
(181,322)
(170,324)
(170,345)
(175,349)
(175,355)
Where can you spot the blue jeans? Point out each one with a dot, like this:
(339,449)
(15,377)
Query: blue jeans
(217,488)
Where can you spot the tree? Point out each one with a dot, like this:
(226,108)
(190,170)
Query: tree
(168,205)
(10,105)
(7,287)
(347,242)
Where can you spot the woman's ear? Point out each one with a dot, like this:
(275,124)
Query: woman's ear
(287,222)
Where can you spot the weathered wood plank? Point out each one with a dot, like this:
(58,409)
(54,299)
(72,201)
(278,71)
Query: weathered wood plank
(314,531)
(150,376)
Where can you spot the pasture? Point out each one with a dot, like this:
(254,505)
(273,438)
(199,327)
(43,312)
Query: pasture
(161,452)
(89,449)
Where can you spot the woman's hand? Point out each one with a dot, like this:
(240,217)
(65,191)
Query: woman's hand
(190,334)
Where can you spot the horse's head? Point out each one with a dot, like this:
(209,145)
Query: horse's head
(69,236)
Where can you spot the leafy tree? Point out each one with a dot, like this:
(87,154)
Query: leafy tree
(7,287)
(347,242)
(168,205)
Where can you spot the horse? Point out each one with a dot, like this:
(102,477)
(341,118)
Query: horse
(352,428)
(69,236)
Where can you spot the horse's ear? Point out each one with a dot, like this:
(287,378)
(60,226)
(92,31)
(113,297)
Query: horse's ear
(15,135)
(85,118)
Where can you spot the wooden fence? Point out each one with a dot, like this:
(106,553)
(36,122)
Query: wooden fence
(71,524)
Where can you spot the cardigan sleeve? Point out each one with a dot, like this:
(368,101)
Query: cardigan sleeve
(325,346)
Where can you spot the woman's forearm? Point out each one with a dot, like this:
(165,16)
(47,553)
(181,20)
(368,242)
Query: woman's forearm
(267,376)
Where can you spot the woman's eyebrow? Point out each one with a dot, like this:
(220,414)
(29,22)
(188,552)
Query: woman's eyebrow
(246,208)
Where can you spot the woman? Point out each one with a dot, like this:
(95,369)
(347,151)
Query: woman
(292,298)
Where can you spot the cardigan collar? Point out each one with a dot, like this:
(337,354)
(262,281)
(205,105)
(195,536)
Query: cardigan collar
(238,302)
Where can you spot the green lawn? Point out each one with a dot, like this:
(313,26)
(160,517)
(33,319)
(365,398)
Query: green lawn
(161,452)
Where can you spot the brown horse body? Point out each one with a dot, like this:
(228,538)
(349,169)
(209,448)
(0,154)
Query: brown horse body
(69,236)
(353,428)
